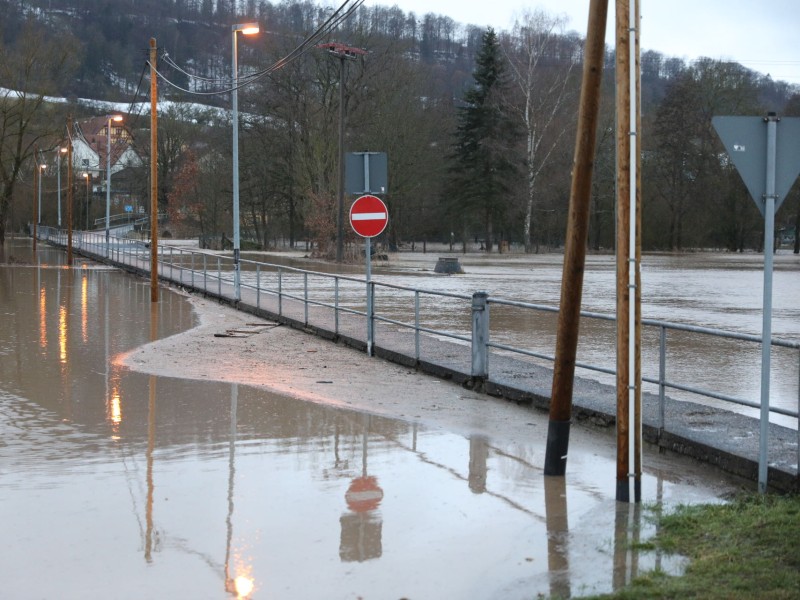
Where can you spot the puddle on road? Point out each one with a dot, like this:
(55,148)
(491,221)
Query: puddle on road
(183,487)
(123,485)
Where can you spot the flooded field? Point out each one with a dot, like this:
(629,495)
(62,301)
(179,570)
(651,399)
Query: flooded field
(122,485)
(710,290)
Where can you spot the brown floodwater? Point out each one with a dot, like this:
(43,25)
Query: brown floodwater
(122,485)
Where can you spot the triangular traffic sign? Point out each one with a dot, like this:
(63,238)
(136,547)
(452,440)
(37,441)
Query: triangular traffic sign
(745,139)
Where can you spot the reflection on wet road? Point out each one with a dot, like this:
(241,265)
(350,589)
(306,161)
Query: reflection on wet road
(121,485)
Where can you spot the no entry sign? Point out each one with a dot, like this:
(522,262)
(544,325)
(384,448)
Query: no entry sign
(368,216)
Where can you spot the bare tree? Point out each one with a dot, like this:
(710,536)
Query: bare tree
(541,59)
(29,69)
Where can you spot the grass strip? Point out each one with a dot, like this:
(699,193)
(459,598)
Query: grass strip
(744,549)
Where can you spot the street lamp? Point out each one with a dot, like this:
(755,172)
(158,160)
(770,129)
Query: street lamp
(58,184)
(88,179)
(246,29)
(116,118)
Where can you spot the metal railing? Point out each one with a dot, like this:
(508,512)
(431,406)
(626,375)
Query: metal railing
(272,287)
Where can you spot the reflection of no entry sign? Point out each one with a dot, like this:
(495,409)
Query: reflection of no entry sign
(368,216)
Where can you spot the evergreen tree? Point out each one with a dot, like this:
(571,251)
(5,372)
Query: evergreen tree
(483,166)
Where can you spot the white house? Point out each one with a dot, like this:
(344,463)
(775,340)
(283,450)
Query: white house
(89,148)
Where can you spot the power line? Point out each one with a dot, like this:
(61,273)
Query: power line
(336,18)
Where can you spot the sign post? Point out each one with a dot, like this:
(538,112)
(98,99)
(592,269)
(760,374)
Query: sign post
(768,163)
(368,218)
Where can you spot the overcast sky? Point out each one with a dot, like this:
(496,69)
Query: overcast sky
(763,35)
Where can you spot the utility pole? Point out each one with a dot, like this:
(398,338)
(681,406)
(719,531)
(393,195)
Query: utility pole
(343,53)
(153,173)
(629,388)
(555,462)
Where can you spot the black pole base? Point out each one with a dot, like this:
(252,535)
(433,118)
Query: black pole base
(624,490)
(555,457)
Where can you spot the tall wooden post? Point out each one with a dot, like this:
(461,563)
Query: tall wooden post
(153,172)
(629,393)
(69,190)
(555,462)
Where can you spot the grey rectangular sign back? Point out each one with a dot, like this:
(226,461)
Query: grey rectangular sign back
(366,173)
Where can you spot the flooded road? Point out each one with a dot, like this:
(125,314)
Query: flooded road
(122,485)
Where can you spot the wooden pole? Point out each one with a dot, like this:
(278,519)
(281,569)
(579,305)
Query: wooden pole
(153,172)
(628,253)
(69,190)
(577,235)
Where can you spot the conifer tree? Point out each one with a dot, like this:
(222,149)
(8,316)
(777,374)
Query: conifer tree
(482,165)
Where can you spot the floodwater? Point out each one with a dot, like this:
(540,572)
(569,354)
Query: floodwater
(712,290)
(121,485)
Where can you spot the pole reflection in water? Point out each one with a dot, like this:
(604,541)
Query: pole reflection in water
(478,455)
(361,537)
(556,515)
(239,580)
(151,445)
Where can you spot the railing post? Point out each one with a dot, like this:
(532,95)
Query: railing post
(171,264)
(280,291)
(192,264)
(219,276)
(480,335)
(416,325)
(662,379)
(336,305)
(305,298)
(205,274)
(258,285)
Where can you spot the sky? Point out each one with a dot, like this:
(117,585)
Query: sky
(762,35)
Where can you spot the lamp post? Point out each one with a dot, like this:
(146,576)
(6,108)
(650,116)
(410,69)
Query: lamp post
(246,29)
(111,118)
(58,184)
(39,191)
(88,179)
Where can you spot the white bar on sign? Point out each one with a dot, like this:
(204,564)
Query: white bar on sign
(368,216)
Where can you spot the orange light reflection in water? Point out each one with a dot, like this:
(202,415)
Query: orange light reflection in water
(85,307)
(62,334)
(115,411)
(43,318)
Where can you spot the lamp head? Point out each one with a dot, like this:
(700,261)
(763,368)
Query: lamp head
(63,150)
(116,118)
(247,28)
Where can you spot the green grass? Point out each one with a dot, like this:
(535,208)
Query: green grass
(748,548)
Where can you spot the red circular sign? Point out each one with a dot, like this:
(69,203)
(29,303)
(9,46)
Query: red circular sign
(368,216)
(364,494)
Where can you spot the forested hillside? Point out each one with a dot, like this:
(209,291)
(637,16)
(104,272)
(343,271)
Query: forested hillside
(415,95)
